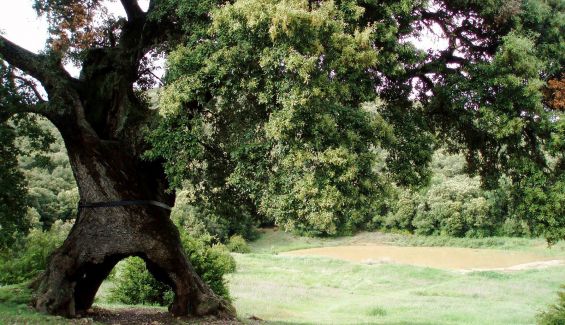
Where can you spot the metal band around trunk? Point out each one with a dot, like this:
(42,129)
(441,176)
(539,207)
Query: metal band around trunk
(123,203)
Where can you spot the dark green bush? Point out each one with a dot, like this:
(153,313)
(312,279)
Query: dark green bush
(555,315)
(135,285)
(28,258)
(455,205)
(237,244)
(210,262)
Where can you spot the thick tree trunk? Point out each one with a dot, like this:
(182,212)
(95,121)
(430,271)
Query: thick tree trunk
(98,116)
(103,236)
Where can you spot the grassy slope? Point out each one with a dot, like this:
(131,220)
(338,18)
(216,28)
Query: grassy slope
(310,290)
(319,290)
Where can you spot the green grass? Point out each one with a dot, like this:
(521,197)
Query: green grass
(14,309)
(15,294)
(315,290)
(310,290)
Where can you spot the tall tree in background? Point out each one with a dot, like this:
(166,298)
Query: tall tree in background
(276,101)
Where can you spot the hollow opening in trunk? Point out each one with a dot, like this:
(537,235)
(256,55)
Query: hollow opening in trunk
(135,281)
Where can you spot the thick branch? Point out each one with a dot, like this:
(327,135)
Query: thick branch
(31,63)
(466,32)
(133,11)
(48,72)
(6,111)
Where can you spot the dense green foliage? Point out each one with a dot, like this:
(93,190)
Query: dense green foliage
(136,286)
(201,222)
(13,223)
(28,257)
(455,205)
(36,178)
(238,244)
(308,115)
(52,191)
(509,126)
(211,261)
(291,119)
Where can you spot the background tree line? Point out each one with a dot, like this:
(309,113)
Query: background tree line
(452,204)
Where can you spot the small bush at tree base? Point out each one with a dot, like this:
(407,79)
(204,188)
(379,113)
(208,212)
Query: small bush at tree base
(135,285)
(210,262)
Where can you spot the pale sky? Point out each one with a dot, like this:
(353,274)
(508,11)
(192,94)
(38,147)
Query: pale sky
(19,24)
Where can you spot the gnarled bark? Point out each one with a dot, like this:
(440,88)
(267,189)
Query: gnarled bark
(99,117)
(103,236)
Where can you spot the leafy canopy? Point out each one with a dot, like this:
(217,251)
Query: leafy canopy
(287,101)
(304,112)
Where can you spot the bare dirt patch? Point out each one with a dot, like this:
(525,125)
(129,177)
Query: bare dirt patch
(451,258)
(149,316)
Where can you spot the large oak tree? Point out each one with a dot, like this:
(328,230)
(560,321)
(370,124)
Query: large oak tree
(280,106)
(99,116)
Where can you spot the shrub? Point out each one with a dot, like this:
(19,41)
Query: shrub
(237,244)
(403,212)
(210,262)
(135,285)
(513,227)
(28,258)
(556,313)
(454,206)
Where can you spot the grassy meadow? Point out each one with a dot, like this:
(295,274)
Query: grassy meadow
(314,290)
(323,291)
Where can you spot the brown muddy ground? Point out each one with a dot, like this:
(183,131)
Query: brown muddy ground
(450,258)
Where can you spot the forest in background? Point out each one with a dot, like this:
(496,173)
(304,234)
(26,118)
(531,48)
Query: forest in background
(453,204)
